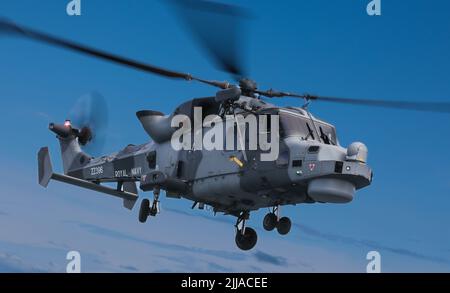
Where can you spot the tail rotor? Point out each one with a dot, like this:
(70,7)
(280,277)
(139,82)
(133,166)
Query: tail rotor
(90,117)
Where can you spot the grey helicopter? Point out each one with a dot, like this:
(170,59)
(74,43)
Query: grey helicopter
(309,166)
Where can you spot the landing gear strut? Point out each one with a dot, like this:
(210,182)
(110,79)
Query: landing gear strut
(272,220)
(147,210)
(246,237)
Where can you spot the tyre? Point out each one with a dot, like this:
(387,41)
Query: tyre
(247,240)
(144,210)
(284,226)
(270,222)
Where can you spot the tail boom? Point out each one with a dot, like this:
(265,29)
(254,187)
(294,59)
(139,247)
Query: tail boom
(129,193)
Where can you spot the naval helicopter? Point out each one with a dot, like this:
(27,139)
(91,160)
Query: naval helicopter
(310,165)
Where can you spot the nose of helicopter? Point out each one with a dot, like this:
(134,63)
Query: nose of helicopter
(338,180)
(333,174)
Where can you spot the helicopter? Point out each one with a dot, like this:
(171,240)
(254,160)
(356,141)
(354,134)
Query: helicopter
(310,165)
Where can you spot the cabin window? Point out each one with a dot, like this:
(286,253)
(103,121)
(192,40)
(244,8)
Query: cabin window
(180,169)
(151,159)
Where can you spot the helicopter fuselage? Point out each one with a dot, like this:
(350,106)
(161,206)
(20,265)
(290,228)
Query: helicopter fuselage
(311,167)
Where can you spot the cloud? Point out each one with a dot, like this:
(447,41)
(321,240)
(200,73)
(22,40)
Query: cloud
(369,244)
(129,268)
(192,263)
(185,262)
(270,259)
(202,215)
(214,267)
(165,245)
(162,271)
(260,256)
(13,263)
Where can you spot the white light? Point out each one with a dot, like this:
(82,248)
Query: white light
(67,123)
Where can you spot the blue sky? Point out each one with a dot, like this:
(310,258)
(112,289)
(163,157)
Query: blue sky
(324,47)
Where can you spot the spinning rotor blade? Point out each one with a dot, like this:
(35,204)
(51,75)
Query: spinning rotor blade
(438,107)
(91,111)
(14,29)
(218,28)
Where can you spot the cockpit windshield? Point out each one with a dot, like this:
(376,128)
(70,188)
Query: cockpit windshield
(293,124)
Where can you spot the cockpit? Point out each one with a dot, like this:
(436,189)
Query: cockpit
(300,123)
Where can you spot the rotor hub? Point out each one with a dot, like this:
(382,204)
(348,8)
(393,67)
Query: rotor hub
(248,86)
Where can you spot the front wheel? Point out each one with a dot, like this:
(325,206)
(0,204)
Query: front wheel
(247,240)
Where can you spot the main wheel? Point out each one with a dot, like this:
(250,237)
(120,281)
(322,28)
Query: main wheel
(144,210)
(284,226)
(247,240)
(270,222)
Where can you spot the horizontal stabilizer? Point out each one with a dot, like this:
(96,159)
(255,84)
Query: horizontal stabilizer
(129,194)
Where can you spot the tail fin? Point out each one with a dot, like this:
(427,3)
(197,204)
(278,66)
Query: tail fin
(45,167)
(72,155)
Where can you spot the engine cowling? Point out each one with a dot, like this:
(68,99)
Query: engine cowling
(156,124)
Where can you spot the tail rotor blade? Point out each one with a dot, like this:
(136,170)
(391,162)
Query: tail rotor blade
(91,111)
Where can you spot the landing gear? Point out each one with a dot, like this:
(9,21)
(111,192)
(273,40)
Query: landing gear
(154,209)
(246,240)
(147,210)
(144,210)
(246,237)
(272,220)
(284,226)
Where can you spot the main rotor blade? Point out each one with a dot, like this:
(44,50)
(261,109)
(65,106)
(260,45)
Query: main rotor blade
(437,107)
(12,28)
(66,44)
(218,28)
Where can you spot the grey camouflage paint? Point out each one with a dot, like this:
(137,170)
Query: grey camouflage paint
(211,178)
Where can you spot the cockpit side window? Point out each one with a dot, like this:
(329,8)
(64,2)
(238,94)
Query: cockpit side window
(295,125)
(324,137)
(327,134)
(151,159)
(310,132)
(298,125)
